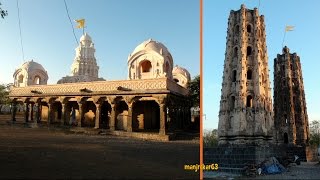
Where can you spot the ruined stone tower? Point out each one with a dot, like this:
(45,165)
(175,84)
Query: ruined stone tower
(290,111)
(245,108)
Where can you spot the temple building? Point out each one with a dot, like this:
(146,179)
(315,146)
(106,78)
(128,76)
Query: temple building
(152,103)
(290,109)
(245,114)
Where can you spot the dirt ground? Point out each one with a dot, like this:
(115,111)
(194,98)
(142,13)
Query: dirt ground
(307,170)
(42,153)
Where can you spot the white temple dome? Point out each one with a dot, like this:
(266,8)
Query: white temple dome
(85,37)
(30,73)
(151,45)
(31,66)
(150,59)
(180,70)
(181,76)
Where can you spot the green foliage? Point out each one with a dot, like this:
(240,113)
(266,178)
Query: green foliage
(194,91)
(315,133)
(3,13)
(210,138)
(4,92)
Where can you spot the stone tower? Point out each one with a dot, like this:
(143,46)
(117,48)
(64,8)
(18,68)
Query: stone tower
(245,114)
(290,111)
(84,67)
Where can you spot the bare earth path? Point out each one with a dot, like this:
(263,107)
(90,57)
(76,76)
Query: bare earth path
(307,170)
(53,154)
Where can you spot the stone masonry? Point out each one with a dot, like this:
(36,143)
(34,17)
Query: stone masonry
(290,110)
(246,107)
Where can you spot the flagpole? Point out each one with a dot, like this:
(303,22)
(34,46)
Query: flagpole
(284,37)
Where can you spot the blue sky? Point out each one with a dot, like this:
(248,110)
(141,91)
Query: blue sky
(116,27)
(304,40)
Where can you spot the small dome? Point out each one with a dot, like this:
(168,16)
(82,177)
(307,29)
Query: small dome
(180,70)
(285,50)
(31,66)
(30,73)
(151,45)
(85,37)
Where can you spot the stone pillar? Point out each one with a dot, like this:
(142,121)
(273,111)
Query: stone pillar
(14,111)
(81,114)
(26,117)
(63,114)
(163,119)
(36,113)
(113,117)
(129,119)
(49,114)
(31,113)
(39,112)
(98,116)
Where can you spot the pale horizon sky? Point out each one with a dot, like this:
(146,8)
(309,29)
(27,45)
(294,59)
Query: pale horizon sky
(115,26)
(304,40)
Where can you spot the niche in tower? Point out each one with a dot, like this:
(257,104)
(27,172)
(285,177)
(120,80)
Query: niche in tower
(249,101)
(235,52)
(249,50)
(234,76)
(249,28)
(249,74)
(232,103)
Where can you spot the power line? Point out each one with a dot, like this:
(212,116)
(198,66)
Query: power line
(65,4)
(20,31)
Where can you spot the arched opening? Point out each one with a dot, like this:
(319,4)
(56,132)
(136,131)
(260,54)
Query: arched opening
(235,52)
(146,116)
(249,28)
(249,101)
(234,76)
(105,115)
(265,122)
(37,80)
(237,29)
(121,116)
(285,118)
(146,66)
(285,138)
(176,80)
(56,113)
(249,50)
(72,113)
(167,67)
(89,114)
(249,74)
(20,79)
(232,103)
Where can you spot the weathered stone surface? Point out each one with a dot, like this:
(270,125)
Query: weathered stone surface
(246,107)
(290,110)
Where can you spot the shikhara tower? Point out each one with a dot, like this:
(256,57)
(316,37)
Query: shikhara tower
(290,110)
(84,67)
(245,114)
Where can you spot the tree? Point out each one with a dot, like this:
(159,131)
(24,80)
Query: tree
(194,91)
(4,92)
(210,138)
(315,132)
(3,12)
